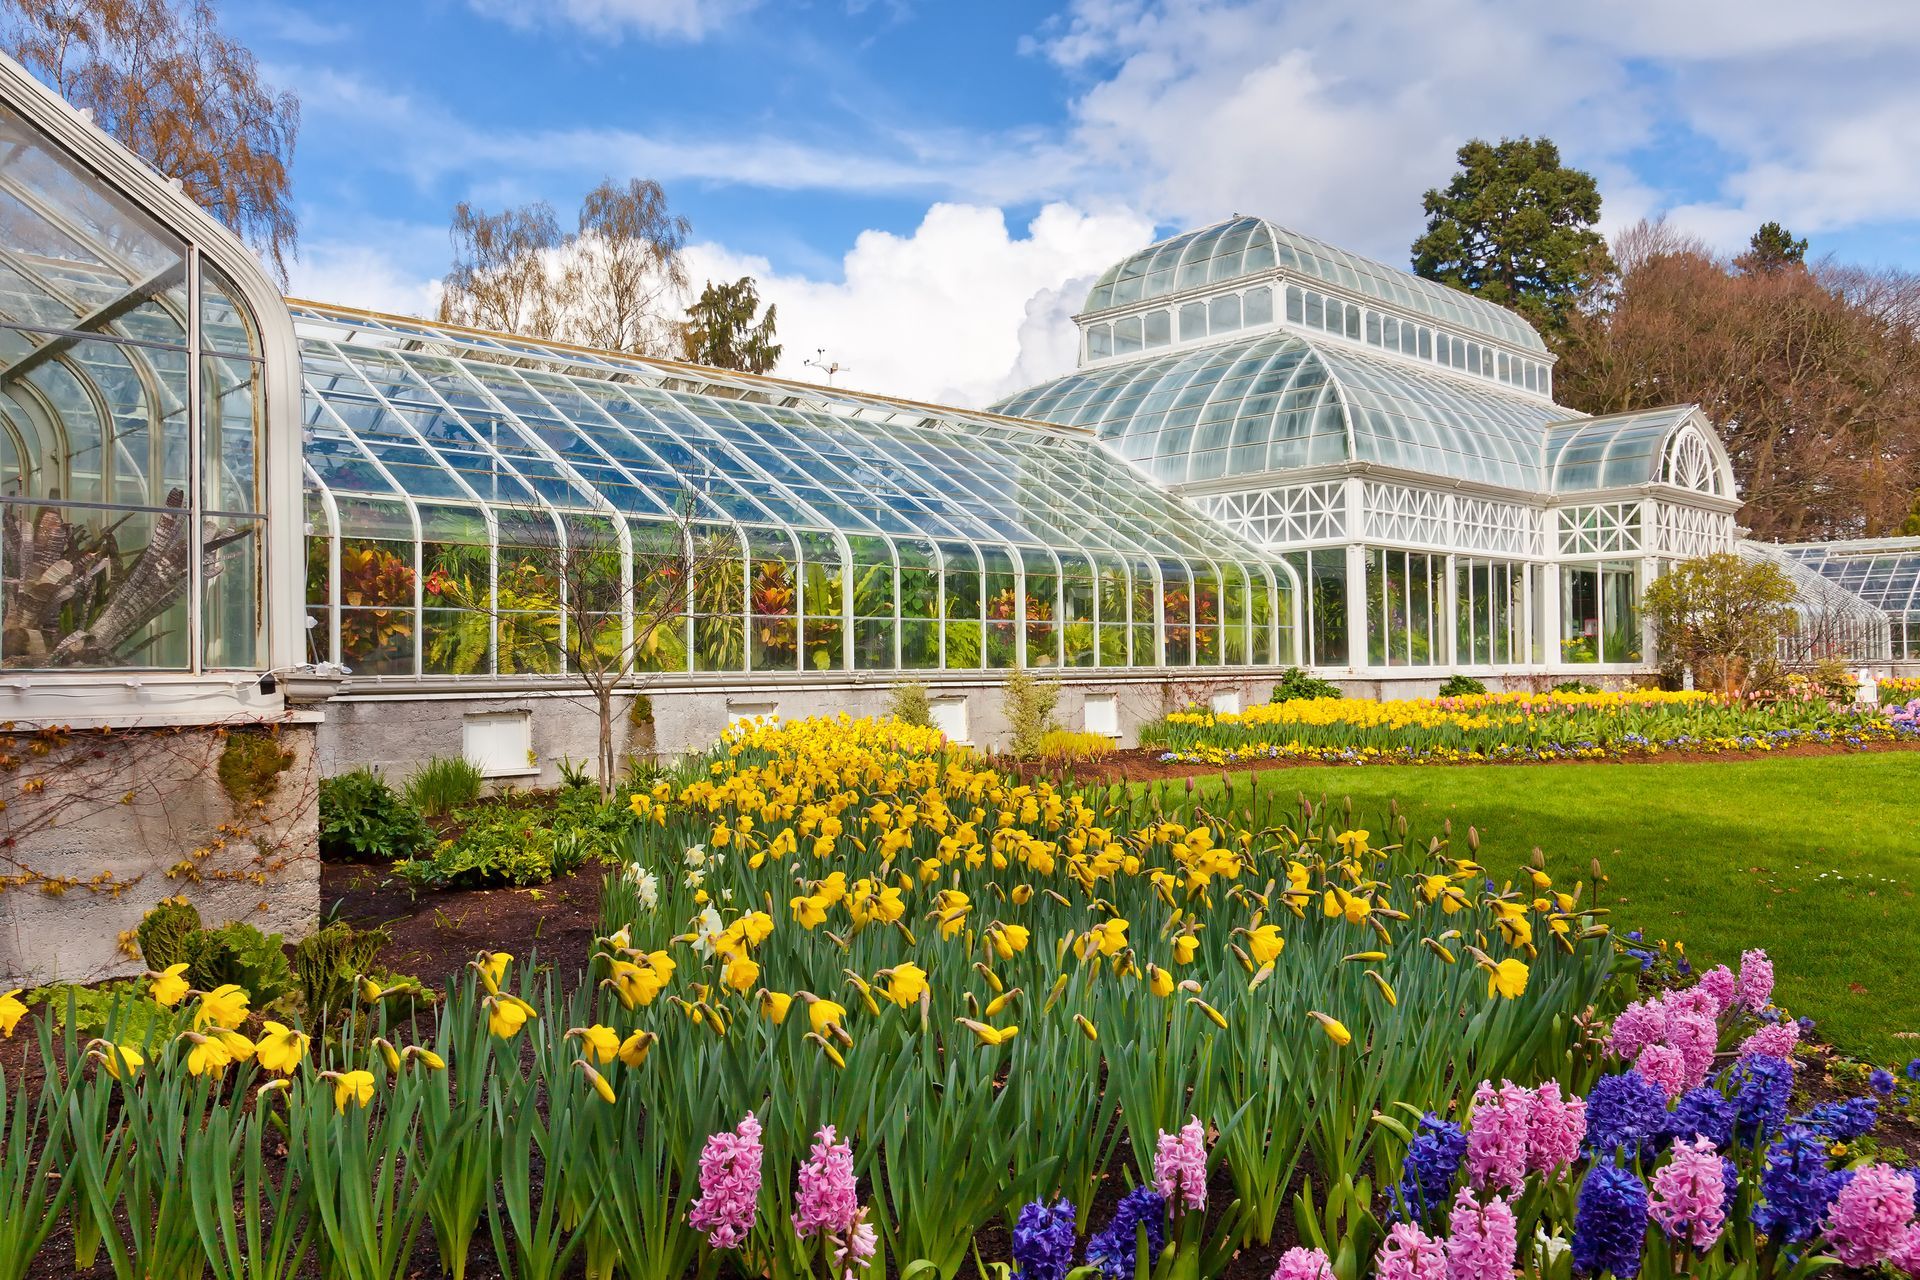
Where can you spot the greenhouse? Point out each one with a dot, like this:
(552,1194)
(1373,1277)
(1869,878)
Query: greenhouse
(1397,443)
(1884,573)
(449,471)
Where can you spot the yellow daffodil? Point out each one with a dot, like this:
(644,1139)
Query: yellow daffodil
(1159,981)
(506,1015)
(493,970)
(905,983)
(634,1049)
(822,1014)
(354,1087)
(775,1005)
(1184,947)
(808,910)
(123,1062)
(281,1048)
(1508,978)
(224,1006)
(741,973)
(1335,1029)
(168,987)
(426,1057)
(1264,944)
(11,1011)
(599,1043)
(1009,940)
(597,1081)
(208,1055)
(989,1035)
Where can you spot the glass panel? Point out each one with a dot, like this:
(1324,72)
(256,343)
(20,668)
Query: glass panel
(1258,305)
(963,628)
(1002,607)
(1223,313)
(1193,321)
(1328,587)
(1126,335)
(1620,642)
(1579,614)
(90,588)
(1099,342)
(1159,328)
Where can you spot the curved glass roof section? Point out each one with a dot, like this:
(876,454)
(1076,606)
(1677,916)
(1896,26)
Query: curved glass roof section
(1246,246)
(1617,450)
(406,420)
(1884,572)
(1276,401)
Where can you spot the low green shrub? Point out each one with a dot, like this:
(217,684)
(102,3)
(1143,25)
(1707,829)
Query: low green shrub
(444,784)
(1457,686)
(910,705)
(362,819)
(326,963)
(241,954)
(521,844)
(166,934)
(116,1011)
(1576,686)
(1029,707)
(1296,684)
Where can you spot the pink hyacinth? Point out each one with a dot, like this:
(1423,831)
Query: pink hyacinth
(1303,1264)
(729,1185)
(1690,1002)
(857,1249)
(1689,1195)
(1497,1137)
(1408,1253)
(1719,983)
(1775,1040)
(1555,1128)
(826,1200)
(1180,1167)
(1663,1065)
(1640,1024)
(1905,1254)
(1756,980)
(1483,1240)
(1870,1217)
(1697,1037)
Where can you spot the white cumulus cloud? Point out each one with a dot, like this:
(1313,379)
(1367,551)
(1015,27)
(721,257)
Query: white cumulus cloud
(958,312)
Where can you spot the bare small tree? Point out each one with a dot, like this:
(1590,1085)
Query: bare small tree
(159,76)
(620,611)
(615,283)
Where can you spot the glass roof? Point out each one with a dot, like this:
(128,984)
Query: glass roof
(1245,246)
(1278,401)
(428,419)
(1617,450)
(1884,572)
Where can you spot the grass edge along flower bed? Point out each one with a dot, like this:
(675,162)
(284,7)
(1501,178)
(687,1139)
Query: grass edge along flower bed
(846,950)
(1514,728)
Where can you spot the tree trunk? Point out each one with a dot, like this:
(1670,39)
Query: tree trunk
(603,697)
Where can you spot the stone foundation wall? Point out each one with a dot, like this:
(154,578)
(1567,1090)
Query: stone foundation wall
(101,826)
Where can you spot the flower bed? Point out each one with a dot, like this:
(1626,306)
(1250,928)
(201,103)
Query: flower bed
(860,1001)
(1512,727)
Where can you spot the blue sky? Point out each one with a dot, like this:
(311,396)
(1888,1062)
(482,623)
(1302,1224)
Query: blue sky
(926,187)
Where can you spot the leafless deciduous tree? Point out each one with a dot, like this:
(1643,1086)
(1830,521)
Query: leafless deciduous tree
(615,282)
(159,76)
(1812,374)
(622,612)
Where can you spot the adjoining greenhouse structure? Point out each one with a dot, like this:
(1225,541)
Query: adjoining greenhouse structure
(1882,573)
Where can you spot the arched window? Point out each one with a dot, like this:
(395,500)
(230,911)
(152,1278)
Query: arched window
(1690,463)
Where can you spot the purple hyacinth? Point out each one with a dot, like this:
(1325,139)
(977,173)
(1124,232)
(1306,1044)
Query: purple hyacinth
(1610,1221)
(1043,1241)
(1881,1081)
(1113,1249)
(1433,1162)
(1795,1186)
(1624,1113)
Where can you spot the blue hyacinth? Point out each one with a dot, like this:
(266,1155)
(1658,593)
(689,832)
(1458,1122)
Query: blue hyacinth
(1625,1112)
(1610,1222)
(1113,1249)
(1433,1162)
(1762,1088)
(1043,1241)
(1842,1121)
(1795,1186)
(1881,1081)
(1704,1113)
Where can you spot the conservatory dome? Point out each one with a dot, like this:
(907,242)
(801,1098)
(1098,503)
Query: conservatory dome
(1243,247)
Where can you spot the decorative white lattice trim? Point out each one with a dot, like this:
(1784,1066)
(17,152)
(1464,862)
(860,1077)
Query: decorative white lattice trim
(1395,513)
(1279,517)
(1605,528)
(1687,532)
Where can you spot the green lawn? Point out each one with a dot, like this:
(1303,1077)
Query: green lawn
(1816,859)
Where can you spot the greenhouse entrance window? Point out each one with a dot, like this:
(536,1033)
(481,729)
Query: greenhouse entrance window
(1599,613)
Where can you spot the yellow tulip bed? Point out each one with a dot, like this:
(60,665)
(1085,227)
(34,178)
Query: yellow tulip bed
(994,993)
(1512,727)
